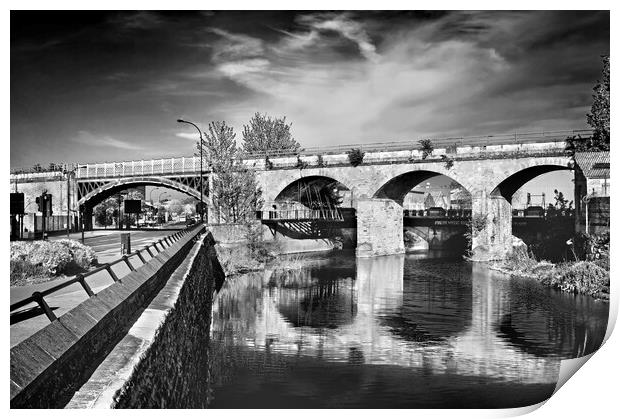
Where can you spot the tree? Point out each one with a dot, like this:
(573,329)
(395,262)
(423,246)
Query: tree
(561,203)
(265,133)
(598,118)
(104,212)
(174,206)
(235,194)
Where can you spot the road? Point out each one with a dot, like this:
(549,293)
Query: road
(106,243)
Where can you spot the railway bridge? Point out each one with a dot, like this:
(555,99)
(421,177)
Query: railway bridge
(490,168)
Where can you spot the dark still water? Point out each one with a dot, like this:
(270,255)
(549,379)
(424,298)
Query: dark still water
(393,332)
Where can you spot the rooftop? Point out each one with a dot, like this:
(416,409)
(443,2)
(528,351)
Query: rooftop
(594,164)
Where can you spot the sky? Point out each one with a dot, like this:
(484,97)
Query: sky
(104,86)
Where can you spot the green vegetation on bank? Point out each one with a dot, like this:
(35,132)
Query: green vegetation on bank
(587,274)
(41,261)
(249,256)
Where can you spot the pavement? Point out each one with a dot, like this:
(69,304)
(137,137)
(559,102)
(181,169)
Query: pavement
(106,243)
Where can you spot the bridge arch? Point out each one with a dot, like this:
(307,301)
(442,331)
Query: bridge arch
(273,189)
(512,180)
(111,188)
(289,188)
(400,185)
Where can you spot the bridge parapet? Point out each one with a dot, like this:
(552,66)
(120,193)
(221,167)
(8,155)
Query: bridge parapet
(377,153)
(165,166)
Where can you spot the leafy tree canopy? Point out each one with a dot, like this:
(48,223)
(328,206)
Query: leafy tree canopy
(598,118)
(264,133)
(235,194)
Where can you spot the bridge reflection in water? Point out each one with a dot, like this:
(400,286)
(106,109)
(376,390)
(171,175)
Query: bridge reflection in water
(427,317)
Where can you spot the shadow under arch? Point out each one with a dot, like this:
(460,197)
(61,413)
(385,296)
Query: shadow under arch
(99,195)
(399,186)
(299,189)
(507,187)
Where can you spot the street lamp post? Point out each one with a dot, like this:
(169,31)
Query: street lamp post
(182,121)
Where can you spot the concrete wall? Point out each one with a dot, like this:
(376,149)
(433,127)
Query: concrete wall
(52,364)
(177,358)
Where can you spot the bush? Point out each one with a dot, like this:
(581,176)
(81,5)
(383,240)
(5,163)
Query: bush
(268,163)
(426,147)
(300,163)
(521,261)
(319,161)
(592,246)
(356,157)
(582,277)
(38,260)
(258,248)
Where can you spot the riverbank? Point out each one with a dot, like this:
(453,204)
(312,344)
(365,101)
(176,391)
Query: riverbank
(577,277)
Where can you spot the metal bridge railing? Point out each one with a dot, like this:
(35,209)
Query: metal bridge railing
(471,141)
(180,165)
(166,166)
(39,296)
(296,214)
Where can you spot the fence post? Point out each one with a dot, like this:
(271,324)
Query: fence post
(140,256)
(38,297)
(126,259)
(82,281)
(108,268)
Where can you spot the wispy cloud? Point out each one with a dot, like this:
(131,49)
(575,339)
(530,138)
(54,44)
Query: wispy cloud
(233,46)
(346,27)
(90,139)
(192,136)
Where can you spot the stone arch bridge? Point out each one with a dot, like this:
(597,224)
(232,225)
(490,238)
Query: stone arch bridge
(490,168)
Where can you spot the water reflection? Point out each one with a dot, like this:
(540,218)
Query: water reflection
(431,317)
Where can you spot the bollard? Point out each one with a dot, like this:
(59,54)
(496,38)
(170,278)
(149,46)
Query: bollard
(125,243)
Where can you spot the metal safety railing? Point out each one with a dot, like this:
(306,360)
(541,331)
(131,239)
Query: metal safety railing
(300,215)
(469,141)
(165,166)
(436,213)
(38,297)
(181,165)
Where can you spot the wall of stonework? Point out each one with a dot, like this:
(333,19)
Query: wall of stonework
(379,228)
(494,241)
(48,367)
(177,358)
(599,215)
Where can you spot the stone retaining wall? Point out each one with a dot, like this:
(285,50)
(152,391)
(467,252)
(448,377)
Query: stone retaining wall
(176,363)
(48,367)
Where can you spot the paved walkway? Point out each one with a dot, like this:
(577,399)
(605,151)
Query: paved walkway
(106,244)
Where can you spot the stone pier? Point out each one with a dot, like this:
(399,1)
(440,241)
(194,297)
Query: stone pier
(491,227)
(379,228)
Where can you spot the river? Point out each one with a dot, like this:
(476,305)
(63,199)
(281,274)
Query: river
(406,331)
